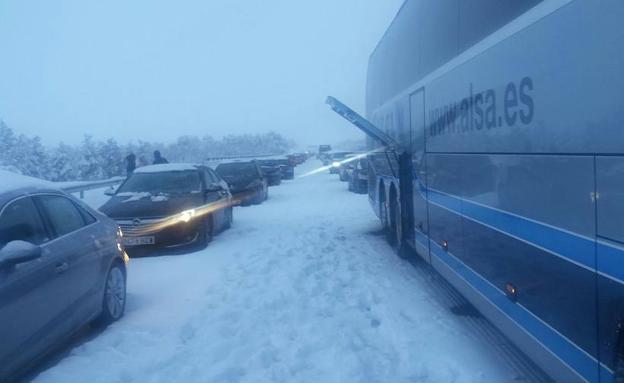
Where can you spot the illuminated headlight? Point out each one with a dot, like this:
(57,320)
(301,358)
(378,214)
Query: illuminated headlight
(336,164)
(186,215)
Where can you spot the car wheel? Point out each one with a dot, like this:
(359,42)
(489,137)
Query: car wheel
(229,217)
(206,231)
(114,302)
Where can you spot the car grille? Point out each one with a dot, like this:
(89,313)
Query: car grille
(138,227)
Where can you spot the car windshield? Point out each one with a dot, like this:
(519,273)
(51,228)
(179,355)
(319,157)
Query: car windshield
(237,170)
(162,182)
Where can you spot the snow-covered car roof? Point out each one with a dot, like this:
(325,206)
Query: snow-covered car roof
(166,168)
(10,181)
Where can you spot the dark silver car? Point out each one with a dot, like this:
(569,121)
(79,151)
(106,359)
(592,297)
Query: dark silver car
(170,206)
(246,181)
(62,265)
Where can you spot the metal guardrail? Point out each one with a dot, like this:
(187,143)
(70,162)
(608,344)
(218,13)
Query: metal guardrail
(222,158)
(81,187)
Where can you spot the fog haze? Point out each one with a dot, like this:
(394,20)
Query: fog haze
(156,70)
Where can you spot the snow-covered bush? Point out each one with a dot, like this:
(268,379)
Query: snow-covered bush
(93,159)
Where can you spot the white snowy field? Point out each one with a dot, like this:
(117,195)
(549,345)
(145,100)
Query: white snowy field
(301,289)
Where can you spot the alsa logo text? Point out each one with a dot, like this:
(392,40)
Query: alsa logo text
(480,111)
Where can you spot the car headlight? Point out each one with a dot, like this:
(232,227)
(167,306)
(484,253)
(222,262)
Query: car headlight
(186,215)
(336,164)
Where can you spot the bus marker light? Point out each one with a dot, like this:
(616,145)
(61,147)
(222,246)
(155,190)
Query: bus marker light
(511,291)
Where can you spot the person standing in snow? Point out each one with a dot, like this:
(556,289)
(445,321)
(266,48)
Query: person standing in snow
(130,164)
(159,159)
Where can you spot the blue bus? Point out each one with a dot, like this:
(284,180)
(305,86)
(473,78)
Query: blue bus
(502,166)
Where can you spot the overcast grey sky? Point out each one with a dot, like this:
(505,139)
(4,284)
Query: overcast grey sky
(155,70)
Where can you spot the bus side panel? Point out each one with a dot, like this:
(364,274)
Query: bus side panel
(444,176)
(553,87)
(507,212)
(529,221)
(610,254)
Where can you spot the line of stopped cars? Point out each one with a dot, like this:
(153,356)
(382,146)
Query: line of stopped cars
(351,167)
(63,264)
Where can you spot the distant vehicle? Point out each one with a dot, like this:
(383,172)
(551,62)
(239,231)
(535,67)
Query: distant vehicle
(358,177)
(171,205)
(246,181)
(272,173)
(297,158)
(335,161)
(323,150)
(288,171)
(62,265)
(346,168)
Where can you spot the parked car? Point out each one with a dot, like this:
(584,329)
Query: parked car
(346,169)
(246,181)
(62,266)
(336,161)
(171,205)
(272,173)
(358,180)
(287,170)
(297,158)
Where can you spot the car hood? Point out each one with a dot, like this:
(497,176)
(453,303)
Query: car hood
(146,205)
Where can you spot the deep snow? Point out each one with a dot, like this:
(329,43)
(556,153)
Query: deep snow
(301,289)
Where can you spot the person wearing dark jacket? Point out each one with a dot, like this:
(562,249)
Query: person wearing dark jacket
(159,159)
(130,163)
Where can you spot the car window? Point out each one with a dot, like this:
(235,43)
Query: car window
(21,221)
(237,170)
(62,213)
(214,176)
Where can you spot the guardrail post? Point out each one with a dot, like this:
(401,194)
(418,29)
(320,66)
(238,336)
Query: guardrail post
(82,194)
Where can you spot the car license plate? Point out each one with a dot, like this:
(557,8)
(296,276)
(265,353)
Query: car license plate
(139,241)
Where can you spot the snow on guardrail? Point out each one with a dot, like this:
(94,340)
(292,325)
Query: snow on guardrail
(82,186)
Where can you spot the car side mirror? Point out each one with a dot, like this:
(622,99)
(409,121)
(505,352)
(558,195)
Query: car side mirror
(110,191)
(214,187)
(16,252)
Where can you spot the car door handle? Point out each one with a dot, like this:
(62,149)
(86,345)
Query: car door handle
(61,267)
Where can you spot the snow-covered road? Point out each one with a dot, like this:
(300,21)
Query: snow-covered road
(301,289)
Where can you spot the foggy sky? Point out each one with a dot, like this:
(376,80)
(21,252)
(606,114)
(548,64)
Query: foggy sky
(155,70)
